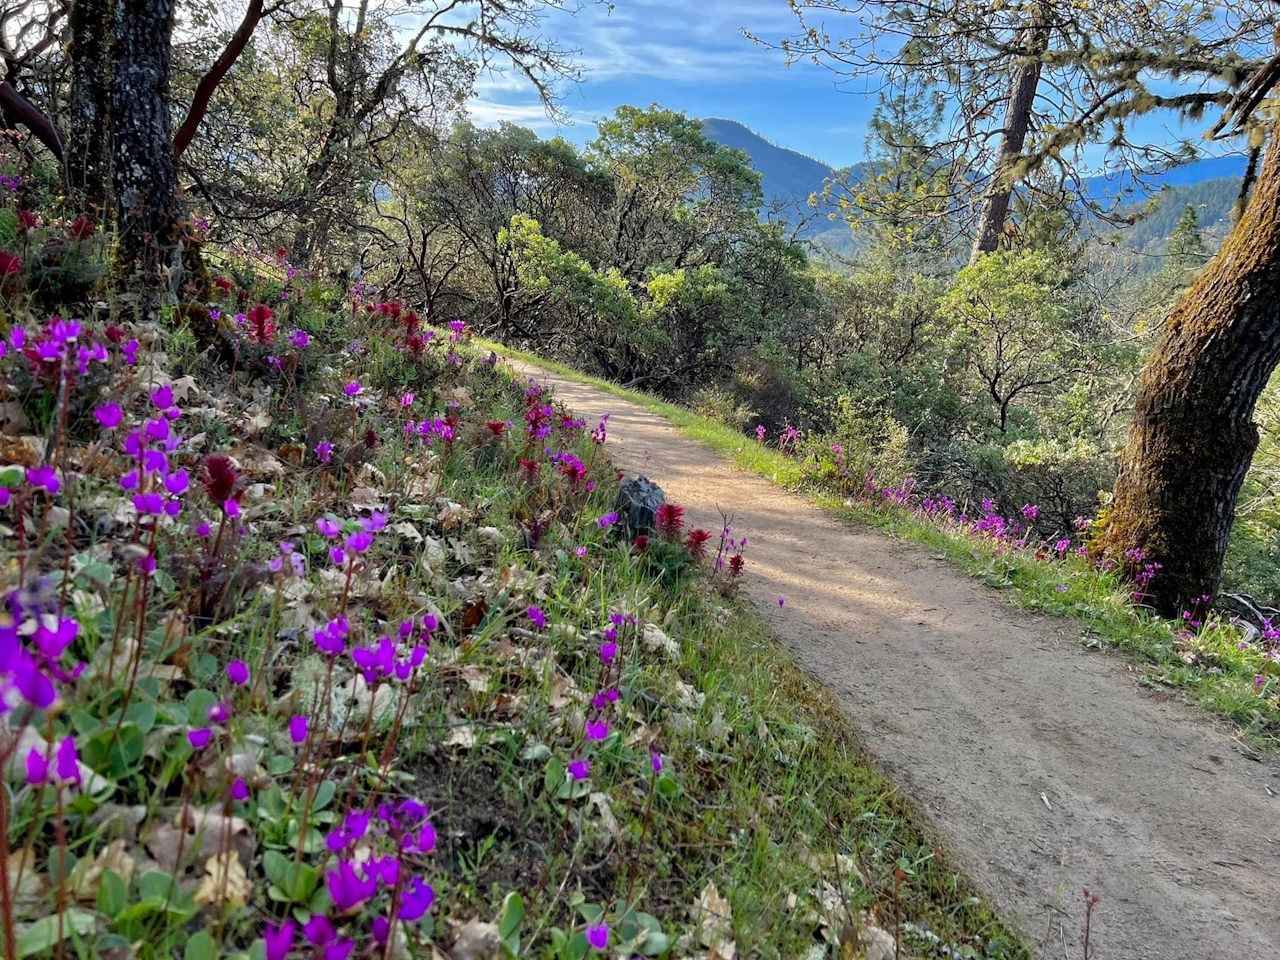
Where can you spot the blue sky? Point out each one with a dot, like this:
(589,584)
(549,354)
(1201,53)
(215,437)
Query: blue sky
(691,55)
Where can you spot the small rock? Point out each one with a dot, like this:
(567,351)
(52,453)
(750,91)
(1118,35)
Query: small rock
(637,505)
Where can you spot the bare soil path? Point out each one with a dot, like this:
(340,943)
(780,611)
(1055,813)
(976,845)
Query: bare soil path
(1042,763)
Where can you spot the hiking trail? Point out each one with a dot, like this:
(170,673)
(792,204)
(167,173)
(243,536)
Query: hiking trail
(1043,765)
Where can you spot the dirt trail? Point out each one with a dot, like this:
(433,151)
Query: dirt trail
(1042,763)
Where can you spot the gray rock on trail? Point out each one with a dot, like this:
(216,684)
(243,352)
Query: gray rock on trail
(637,506)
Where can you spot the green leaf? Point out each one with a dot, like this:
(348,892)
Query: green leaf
(535,752)
(324,794)
(198,703)
(201,947)
(573,790)
(113,894)
(141,715)
(279,765)
(155,886)
(42,935)
(667,786)
(100,574)
(512,915)
(276,866)
(554,775)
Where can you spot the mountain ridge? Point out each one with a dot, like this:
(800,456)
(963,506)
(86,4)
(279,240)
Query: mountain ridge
(788,177)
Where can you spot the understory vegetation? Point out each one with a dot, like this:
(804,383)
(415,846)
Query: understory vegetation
(343,649)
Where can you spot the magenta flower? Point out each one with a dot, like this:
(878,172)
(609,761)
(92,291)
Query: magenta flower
(655,760)
(580,768)
(299,339)
(68,762)
(416,901)
(108,415)
(37,767)
(608,520)
(218,713)
(352,388)
(279,940)
(238,672)
(45,478)
(148,503)
(354,826)
(328,526)
(538,617)
(359,542)
(240,791)
(231,508)
(298,729)
(199,738)
(339,950)
(324,451)
(598,937)
(347,888)
(163,397)
(597,729)
(177,483)
(338,556)
(319,931)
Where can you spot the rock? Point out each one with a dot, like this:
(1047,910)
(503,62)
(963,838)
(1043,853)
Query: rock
(877,943)
(477,941)
(637,506)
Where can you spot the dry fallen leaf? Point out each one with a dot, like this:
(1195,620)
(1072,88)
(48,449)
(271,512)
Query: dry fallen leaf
(715,925)
(196,835)
(225,881)
(86,877)
(27,884)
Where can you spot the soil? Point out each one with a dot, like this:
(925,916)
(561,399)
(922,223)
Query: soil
(1043,764)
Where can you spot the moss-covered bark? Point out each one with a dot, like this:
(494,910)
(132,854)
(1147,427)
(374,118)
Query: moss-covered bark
(144,174)
(1192,436)
(87,162)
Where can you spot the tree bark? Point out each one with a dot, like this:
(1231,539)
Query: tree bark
(1017,121)
(88,162)
(144,174)
(1192,436)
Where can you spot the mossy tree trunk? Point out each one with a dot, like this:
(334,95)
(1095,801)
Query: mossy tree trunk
(144,174)
(1192,436)
(87,159)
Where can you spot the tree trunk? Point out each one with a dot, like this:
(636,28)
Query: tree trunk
(1192,436)
(87,159)
(144,175)
(1017,121)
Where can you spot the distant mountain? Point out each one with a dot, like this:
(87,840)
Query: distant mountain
(787,177)
(1188,174)
(1212,201)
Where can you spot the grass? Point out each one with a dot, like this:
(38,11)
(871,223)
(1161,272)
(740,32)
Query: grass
(1207,664)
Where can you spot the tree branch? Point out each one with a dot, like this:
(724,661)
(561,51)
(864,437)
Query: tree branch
(209,82)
